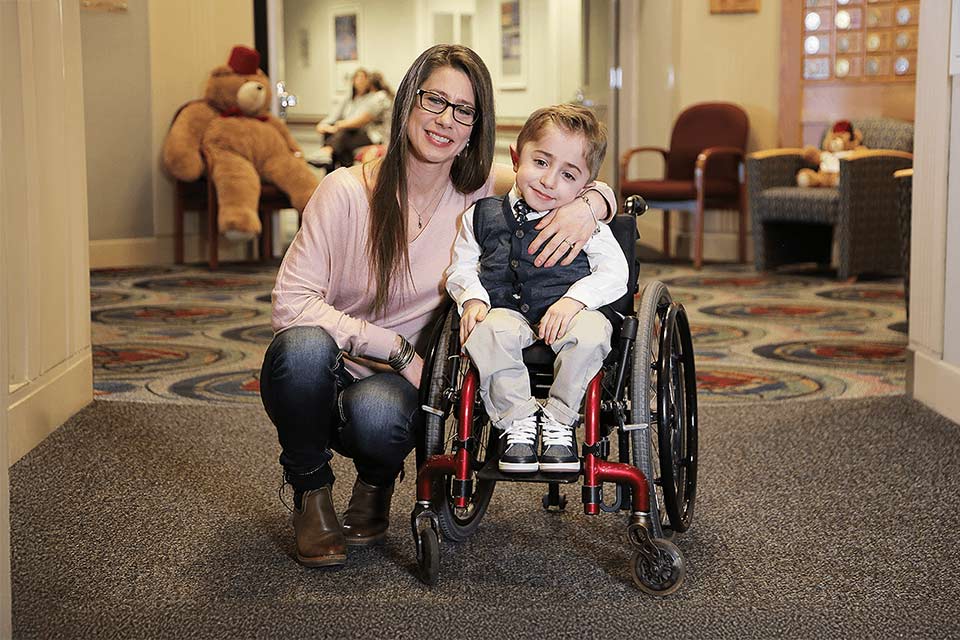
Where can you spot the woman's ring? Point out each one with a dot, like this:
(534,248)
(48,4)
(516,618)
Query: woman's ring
(568,243)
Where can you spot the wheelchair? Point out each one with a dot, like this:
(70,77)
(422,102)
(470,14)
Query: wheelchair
(645,394)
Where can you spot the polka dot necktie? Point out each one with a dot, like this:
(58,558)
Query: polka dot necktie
(521,210)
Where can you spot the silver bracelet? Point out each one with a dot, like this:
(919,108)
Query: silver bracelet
(592,213)
(404,356)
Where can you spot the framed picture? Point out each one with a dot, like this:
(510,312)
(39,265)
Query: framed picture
(513,44)
(734,6)
(346,45)
(104,5)
(345,37)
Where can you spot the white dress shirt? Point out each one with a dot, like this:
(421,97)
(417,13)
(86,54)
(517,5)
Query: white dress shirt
(606,283)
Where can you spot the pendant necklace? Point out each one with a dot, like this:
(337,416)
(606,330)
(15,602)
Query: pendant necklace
(436,205)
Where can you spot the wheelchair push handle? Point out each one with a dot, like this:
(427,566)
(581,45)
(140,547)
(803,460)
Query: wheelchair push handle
(634,206)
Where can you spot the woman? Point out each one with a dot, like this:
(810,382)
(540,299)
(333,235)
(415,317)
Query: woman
(361,284)
(363,120)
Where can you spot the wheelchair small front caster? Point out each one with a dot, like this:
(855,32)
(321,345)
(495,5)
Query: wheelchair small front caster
(428,556)
(658,569)
(657,565)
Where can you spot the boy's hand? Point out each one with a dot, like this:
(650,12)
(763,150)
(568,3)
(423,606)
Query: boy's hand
(556,320)
(474,311)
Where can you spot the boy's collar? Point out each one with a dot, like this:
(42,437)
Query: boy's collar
(515,195)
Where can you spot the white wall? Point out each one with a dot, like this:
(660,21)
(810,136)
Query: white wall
(951,303)
(934,242)
(392,33)
(43,201)
(387,42)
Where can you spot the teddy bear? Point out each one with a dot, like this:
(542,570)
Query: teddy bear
(232,135)
(840,142)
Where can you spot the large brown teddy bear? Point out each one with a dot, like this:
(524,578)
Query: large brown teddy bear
(840,142)
(242,143)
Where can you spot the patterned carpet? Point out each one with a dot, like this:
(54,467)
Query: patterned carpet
(189,335)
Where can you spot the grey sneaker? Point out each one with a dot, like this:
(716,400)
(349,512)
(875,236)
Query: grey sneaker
(518,446)
(558,446)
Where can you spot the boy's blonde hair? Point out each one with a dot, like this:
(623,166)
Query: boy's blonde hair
(570,118)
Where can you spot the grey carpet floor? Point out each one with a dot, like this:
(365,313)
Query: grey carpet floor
(814,520)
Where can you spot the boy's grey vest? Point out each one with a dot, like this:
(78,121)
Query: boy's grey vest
(507,271)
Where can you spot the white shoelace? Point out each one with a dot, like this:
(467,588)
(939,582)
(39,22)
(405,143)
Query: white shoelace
(556,433)
(523,431)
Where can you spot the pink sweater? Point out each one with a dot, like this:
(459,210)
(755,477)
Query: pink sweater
(324,280)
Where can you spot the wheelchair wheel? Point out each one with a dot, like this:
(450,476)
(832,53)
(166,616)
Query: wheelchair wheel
(440,428)
(655,301)
(677,418)
(658,568)
(428,556)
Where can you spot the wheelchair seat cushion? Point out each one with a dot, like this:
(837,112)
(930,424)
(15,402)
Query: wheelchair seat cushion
(538,354)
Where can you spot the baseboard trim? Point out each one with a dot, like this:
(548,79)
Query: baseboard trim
(718,246)
(38,408)
(157,250)
(935,384)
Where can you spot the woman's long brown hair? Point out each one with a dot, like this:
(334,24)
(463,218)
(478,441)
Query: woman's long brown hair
(387,238)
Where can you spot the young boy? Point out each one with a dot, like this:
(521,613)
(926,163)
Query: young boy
(507,303)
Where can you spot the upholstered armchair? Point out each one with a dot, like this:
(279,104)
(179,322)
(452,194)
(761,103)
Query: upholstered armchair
(793,224)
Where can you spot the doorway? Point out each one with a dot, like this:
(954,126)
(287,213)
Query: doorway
(538,53)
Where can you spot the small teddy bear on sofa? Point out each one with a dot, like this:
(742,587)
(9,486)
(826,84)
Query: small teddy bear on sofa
(840,141)
(242,143)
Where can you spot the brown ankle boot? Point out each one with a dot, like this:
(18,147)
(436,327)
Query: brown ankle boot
(319,538)
(368,514)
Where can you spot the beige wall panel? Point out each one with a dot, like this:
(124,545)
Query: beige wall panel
(648,98)
(116,98)
(931,162)
(45,280)
(735,58)
(8,46)
(14,206)
(187,39)
(951,288)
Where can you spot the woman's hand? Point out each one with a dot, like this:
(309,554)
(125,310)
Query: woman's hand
(322,127)
(413,371)
(474,311)
(564,231)
(556,320)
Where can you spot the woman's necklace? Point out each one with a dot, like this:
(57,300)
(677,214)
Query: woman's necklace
(436,204)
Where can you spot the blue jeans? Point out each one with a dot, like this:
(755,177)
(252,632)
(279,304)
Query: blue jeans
(317,407)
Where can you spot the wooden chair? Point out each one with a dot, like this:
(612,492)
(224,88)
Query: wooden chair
(703,168)
(202,196)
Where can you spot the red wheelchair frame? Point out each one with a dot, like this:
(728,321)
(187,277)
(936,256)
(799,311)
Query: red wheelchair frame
(655,478)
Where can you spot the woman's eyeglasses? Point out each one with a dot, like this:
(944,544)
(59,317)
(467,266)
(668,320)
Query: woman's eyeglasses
(436,103)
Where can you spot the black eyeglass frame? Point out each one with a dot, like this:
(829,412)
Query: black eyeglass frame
(446,105)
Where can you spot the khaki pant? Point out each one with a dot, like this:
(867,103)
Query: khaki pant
(496,344)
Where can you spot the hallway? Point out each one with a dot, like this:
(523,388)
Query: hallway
(818,520)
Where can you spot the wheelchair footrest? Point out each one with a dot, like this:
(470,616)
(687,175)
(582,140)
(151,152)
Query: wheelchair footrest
(491,471)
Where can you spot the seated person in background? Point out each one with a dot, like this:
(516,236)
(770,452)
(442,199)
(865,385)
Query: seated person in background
(507,303)
(361,120)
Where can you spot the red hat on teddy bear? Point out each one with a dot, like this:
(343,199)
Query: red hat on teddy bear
(843,126)
(244,60)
